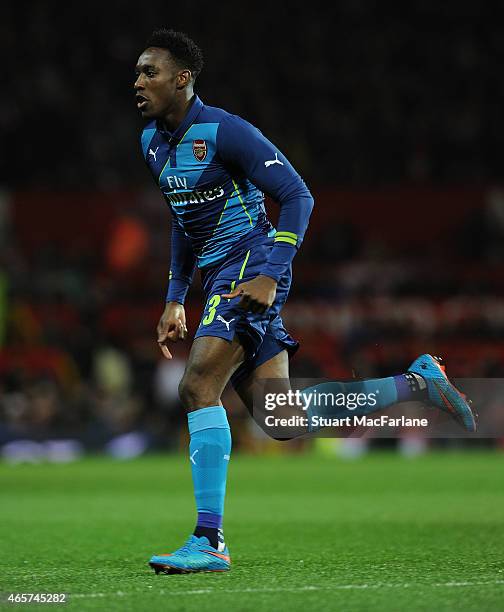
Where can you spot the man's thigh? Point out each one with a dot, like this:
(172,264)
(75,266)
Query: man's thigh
(275,371)
(271,376)
(211,363)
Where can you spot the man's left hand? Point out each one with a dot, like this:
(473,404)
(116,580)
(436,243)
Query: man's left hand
(257,295)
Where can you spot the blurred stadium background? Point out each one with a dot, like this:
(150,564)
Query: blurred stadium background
(395,121)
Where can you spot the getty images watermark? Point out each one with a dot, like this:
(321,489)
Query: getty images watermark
(319,409)
(286,409)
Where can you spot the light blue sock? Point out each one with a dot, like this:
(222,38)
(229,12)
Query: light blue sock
(209,452)
(360,397)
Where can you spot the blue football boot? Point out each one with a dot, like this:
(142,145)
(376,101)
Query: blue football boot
(442,393)
(197,555)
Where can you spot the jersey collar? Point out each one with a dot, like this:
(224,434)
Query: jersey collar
(192,113)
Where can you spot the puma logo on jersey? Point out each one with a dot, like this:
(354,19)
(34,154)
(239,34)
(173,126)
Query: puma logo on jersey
(270,162)
(223,320)
(153,153)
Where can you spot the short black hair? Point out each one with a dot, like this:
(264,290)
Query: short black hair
(184,51)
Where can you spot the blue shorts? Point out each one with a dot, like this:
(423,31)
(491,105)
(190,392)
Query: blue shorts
(262,335)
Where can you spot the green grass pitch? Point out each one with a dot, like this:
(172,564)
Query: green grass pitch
(306,532)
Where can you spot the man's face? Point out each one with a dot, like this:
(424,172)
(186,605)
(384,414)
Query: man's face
(156,85)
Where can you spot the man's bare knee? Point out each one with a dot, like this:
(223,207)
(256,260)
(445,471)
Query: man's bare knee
(211,363)
(196,389)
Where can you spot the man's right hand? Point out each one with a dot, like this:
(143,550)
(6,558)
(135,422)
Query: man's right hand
(171,327)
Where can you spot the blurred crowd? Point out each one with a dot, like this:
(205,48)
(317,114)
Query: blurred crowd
(353,92)
(78,356)
(355,96)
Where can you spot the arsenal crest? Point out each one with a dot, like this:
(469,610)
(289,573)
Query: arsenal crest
(199,149)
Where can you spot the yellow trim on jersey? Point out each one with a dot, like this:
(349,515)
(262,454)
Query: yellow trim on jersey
(222,213)
(287,235)
(242,202)
(285,239)
(242,271)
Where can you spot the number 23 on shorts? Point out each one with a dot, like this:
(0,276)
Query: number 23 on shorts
(213,302)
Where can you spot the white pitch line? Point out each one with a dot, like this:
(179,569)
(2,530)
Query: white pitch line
(334,587)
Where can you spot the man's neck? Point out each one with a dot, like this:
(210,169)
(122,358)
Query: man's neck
(173,119)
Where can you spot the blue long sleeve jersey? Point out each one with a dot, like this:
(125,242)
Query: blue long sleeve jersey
(213,172)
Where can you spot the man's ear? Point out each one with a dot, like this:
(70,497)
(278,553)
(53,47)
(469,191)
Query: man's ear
(183,79)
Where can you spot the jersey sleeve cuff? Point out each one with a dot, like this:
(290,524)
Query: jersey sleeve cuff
(280,259)
(177,291)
